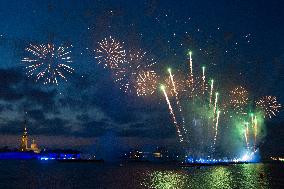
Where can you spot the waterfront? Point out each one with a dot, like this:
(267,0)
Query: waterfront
(51,174)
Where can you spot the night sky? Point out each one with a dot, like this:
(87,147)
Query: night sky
(238,41)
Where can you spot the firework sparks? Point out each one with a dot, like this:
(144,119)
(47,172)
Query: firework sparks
(190,63)
(127,73)
(48,62)
(203,79)
(179,82)
(146,83)
(269,105)
(211,91)
(215,105)
(246,134)
(204,121)
(194,86)
(172,113)
(190,82)
(216,127)
(238,98)
(110,53)
(255,131)
(247,131)
(177,100)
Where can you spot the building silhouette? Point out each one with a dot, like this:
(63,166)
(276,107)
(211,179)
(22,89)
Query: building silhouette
(24,142)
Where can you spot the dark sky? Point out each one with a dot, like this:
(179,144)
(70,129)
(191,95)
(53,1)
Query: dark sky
(238,40)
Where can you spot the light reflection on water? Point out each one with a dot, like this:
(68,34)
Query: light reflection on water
(234,176)
(54,175)
(166,180)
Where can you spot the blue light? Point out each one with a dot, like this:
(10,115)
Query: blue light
(61,156)
(246,158)
(44,158)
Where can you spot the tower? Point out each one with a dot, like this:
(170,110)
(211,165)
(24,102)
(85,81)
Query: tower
(24,140)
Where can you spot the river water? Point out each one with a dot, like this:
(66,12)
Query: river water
(55,175)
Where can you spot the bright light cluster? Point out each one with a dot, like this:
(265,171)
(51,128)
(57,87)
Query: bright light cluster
(238,98)
(269,105)
(48,62)
(110,53)
(127,74)
(146,83)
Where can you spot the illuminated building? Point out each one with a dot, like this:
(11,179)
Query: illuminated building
(24,143)
(33,152)
(161,153)
(34,147)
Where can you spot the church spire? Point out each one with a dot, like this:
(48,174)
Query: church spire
(25,128)
(24,138)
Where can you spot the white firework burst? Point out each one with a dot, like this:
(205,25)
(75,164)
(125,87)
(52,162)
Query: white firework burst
(47,62)
(110,53)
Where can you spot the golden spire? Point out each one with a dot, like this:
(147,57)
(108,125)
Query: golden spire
(25,129)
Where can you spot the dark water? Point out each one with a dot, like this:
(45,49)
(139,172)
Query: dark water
(43,175)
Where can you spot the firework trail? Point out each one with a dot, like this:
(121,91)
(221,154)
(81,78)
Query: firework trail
(110,53)
(205,129)
(180,84)
(146,83)
(255,131)
(203,79)
(211,91)
(247,130)
(177,100)
(215,105)
(190,80)
(269,105)
(246,134)
(216,128)
(172,113)
(190,63)
(48,62)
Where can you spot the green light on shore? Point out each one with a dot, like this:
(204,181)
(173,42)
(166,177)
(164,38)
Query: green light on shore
(169,70)
(162,87)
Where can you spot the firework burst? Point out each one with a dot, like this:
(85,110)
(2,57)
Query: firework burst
(126,74)
(200,127)
(146,83)
(110,53)
(47,62)
(198,124)
(238,98)
(269,105)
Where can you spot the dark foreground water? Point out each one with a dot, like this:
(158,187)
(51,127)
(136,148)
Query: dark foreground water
(43,175)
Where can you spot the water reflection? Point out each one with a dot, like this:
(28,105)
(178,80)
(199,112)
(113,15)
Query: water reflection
(235,176)
(166,180)
(253,176)
(219,177)
(34,175)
